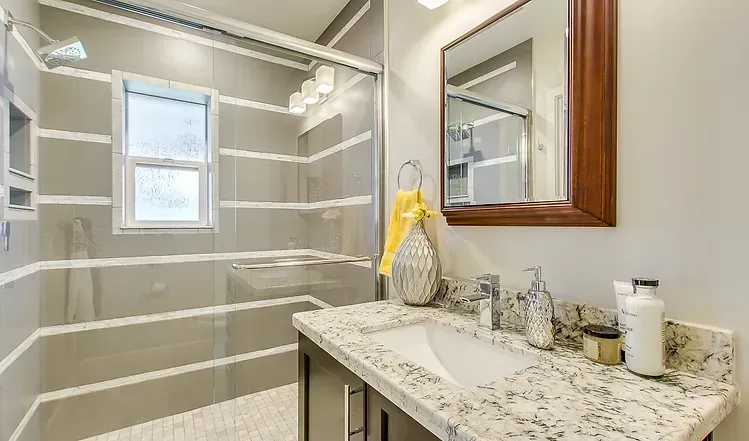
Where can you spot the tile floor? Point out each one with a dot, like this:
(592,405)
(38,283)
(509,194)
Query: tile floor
(270,415)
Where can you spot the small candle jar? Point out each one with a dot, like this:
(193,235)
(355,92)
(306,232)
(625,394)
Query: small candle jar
(602,344)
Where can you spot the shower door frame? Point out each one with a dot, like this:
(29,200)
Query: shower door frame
(196,18)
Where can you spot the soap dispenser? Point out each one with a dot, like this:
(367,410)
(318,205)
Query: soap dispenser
(539,313)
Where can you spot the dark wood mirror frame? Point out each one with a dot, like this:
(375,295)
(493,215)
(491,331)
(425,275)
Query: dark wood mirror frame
(591,198)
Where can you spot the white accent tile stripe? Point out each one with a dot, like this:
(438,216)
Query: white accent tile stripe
(342,146)
(319,303)
(15,274)
(82,73)
(344,30)
(490,75)
(138,24)
(490,118)
(178,258)
(355,200)
(51,199)
(278,205)
(495,161)
(299,159)
(25,421)
(263,155)
(75,136)
(326,255)
(163,373)
(18,351)
(171,315)
(241,102)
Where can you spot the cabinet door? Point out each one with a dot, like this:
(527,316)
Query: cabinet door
(386,422)
(323,409)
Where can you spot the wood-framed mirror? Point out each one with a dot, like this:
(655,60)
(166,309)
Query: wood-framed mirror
(528,117)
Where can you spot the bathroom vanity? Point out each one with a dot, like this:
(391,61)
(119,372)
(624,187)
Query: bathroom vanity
(333,401)
(393,372)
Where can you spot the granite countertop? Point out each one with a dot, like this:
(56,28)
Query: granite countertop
(564,398)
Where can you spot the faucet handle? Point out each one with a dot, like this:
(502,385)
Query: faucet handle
(487,278)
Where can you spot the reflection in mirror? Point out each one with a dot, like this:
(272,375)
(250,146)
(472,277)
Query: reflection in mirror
(506,110)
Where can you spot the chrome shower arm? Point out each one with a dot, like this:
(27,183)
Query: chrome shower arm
(12,21)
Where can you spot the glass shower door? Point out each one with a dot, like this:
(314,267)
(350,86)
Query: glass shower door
(297,214)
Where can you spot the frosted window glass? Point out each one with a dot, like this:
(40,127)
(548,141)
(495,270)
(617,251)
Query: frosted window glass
(166,128)
(166,193)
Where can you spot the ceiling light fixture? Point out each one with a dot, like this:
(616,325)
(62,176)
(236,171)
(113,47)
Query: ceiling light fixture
(309,92)
(324,79)
(296,106)
(432,4)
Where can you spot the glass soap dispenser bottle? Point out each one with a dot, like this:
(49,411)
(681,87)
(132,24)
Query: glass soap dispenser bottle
(539,313)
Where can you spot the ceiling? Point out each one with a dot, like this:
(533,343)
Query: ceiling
(305,19)
(535,18)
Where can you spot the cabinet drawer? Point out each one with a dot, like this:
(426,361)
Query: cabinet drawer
(323,404)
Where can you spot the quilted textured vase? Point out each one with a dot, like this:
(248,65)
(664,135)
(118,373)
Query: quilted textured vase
(417,271)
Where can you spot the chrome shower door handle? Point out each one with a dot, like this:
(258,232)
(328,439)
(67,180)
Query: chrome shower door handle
(347,392)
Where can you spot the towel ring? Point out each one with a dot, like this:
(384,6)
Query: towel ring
(416,165)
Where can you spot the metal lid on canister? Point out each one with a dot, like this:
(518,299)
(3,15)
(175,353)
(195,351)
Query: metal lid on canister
(644,281)
(602,331)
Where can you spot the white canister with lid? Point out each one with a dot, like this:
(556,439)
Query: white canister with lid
(645,338)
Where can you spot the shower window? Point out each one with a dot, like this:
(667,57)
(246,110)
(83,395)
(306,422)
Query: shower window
(166,155)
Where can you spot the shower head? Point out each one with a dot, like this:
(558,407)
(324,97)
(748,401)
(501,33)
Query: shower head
(459,132)
(56,53)
(61,53)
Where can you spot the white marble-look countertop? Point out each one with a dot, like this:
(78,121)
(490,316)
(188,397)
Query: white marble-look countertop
(564,398)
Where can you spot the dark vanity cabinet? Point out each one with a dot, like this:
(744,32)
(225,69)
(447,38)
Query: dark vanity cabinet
(333,401)
(336,405)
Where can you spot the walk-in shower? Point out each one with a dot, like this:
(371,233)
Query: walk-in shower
(182,213)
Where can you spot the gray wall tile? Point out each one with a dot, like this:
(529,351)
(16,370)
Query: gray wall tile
(19,387)
(75,168)
(134,290)
(86,415)
(347,230)
(345,174)
(23,245)
(75,104)
(260,229)
(19,312)
(245,128)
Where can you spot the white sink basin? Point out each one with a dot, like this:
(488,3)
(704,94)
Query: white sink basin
(458,358)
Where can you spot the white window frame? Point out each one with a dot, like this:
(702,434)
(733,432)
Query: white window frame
(124,165)
(131,162)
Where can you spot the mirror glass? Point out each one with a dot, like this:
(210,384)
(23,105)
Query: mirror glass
(506,110)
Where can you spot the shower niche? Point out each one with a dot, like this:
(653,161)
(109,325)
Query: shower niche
(19,158)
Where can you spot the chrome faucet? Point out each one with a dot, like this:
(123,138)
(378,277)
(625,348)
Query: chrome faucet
(488,298)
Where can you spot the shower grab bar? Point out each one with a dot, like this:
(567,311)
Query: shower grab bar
(238,266)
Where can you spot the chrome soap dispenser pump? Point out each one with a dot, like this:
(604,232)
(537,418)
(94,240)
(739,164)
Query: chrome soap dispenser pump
(539,313)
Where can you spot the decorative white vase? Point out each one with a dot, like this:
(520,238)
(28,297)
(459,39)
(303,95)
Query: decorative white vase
(417,271)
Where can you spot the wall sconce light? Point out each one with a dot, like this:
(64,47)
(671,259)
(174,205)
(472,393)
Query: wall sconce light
(309,92)
(432,4)
(324,79)
(296,106)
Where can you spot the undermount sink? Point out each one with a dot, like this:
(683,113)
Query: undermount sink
(458,358)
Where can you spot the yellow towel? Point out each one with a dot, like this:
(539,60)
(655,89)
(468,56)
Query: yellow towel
(399,227)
